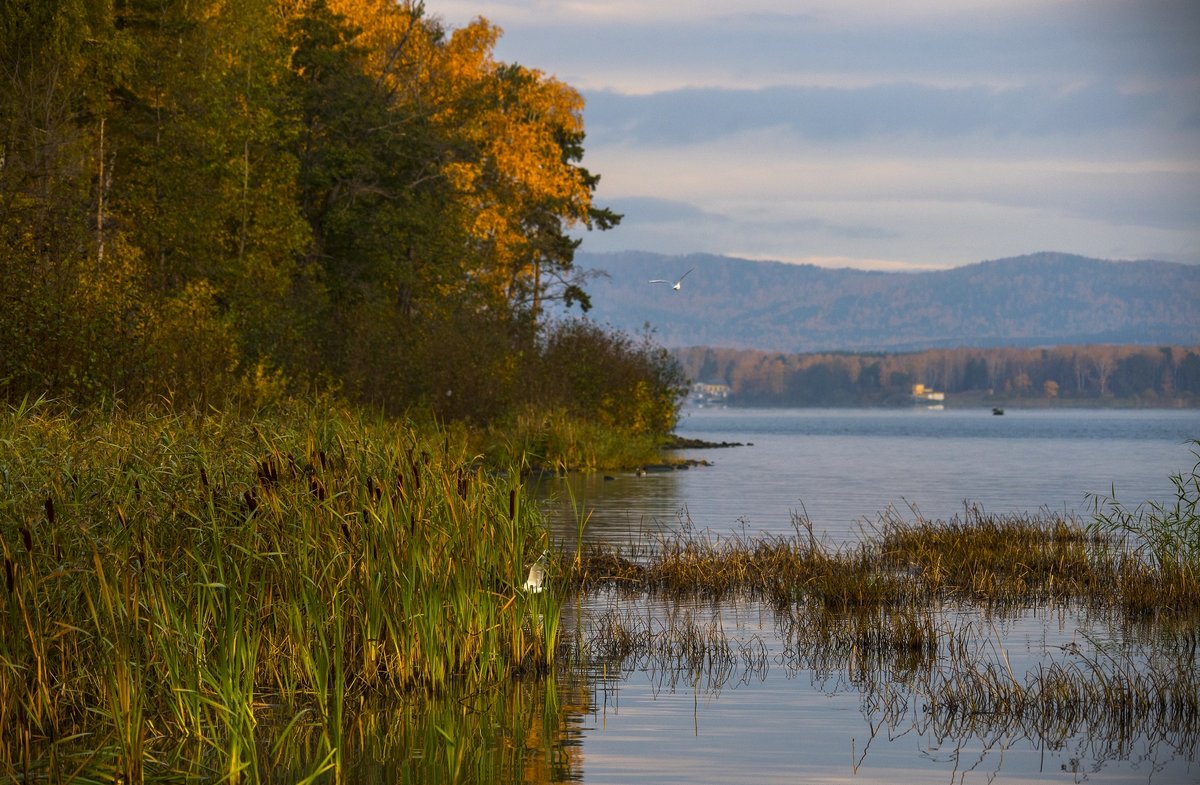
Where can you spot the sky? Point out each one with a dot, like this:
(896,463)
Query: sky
(878,134)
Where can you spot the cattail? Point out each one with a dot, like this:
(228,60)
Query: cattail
(27,537)
(268,473)
(50,510)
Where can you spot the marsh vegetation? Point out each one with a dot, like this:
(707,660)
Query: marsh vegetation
(318,594)
(196,582)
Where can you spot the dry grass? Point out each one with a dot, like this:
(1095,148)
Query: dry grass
(995,561)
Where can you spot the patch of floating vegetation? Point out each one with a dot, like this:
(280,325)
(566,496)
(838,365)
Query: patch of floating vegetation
(991,560)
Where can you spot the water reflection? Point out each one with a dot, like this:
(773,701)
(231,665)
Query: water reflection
(623,508)
(521,731)
(800,692)
(652,690)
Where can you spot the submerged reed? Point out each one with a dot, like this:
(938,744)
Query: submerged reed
(168,579)
(992,560)
(942,671)
(892,618)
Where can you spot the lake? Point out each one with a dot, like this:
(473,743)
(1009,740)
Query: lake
(780,709)
(846,467)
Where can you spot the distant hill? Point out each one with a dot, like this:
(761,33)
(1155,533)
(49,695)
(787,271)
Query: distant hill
(1036,300)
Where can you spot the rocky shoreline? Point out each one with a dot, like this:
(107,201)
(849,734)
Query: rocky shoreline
(681,443)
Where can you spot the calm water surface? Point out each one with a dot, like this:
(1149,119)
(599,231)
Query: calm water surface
(846,467)
(780,717)
(803,721)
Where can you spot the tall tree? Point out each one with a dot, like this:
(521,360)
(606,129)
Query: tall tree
(64,306)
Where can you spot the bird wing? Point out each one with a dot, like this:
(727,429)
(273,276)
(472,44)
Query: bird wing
(658,280)
(685,275)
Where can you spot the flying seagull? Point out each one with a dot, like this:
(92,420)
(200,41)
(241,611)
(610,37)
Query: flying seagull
(677,283)
(537,574)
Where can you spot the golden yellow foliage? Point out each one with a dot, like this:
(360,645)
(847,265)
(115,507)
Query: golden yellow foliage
(507,121)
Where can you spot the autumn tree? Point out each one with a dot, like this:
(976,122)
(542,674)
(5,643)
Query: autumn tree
(201,196)
(440,185)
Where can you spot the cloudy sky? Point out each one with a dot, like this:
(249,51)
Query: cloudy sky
(875,133)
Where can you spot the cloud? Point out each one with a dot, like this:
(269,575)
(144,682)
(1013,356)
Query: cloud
(765,194)
(645,209)
(935,132)
(639,47)
(831,114)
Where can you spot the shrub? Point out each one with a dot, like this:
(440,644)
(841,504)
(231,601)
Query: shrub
(621,382)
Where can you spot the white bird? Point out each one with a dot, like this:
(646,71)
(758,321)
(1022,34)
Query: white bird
(677,283)
(537,574)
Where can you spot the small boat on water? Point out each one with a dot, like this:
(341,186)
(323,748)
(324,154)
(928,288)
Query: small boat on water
(997,410)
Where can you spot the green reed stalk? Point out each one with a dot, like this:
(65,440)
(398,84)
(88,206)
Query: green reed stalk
(218,563)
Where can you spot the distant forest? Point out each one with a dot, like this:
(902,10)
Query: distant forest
(1151,376)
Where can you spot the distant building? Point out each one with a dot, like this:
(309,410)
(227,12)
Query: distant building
(923,393)
(708,394)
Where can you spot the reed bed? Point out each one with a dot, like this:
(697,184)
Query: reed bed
(551,440)
(198,596)
(991,560)
(171,580)
(675,648)
(896,618)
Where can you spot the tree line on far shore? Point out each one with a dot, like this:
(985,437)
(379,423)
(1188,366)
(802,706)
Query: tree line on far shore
(1146,375)
(221,201)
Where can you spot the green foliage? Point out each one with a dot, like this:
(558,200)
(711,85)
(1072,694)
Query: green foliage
(554,439)
(1166,534)
(167,577)
(628,384)
(193,347)
(228,202)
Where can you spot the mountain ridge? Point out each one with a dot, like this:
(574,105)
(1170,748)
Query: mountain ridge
(1039,299)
